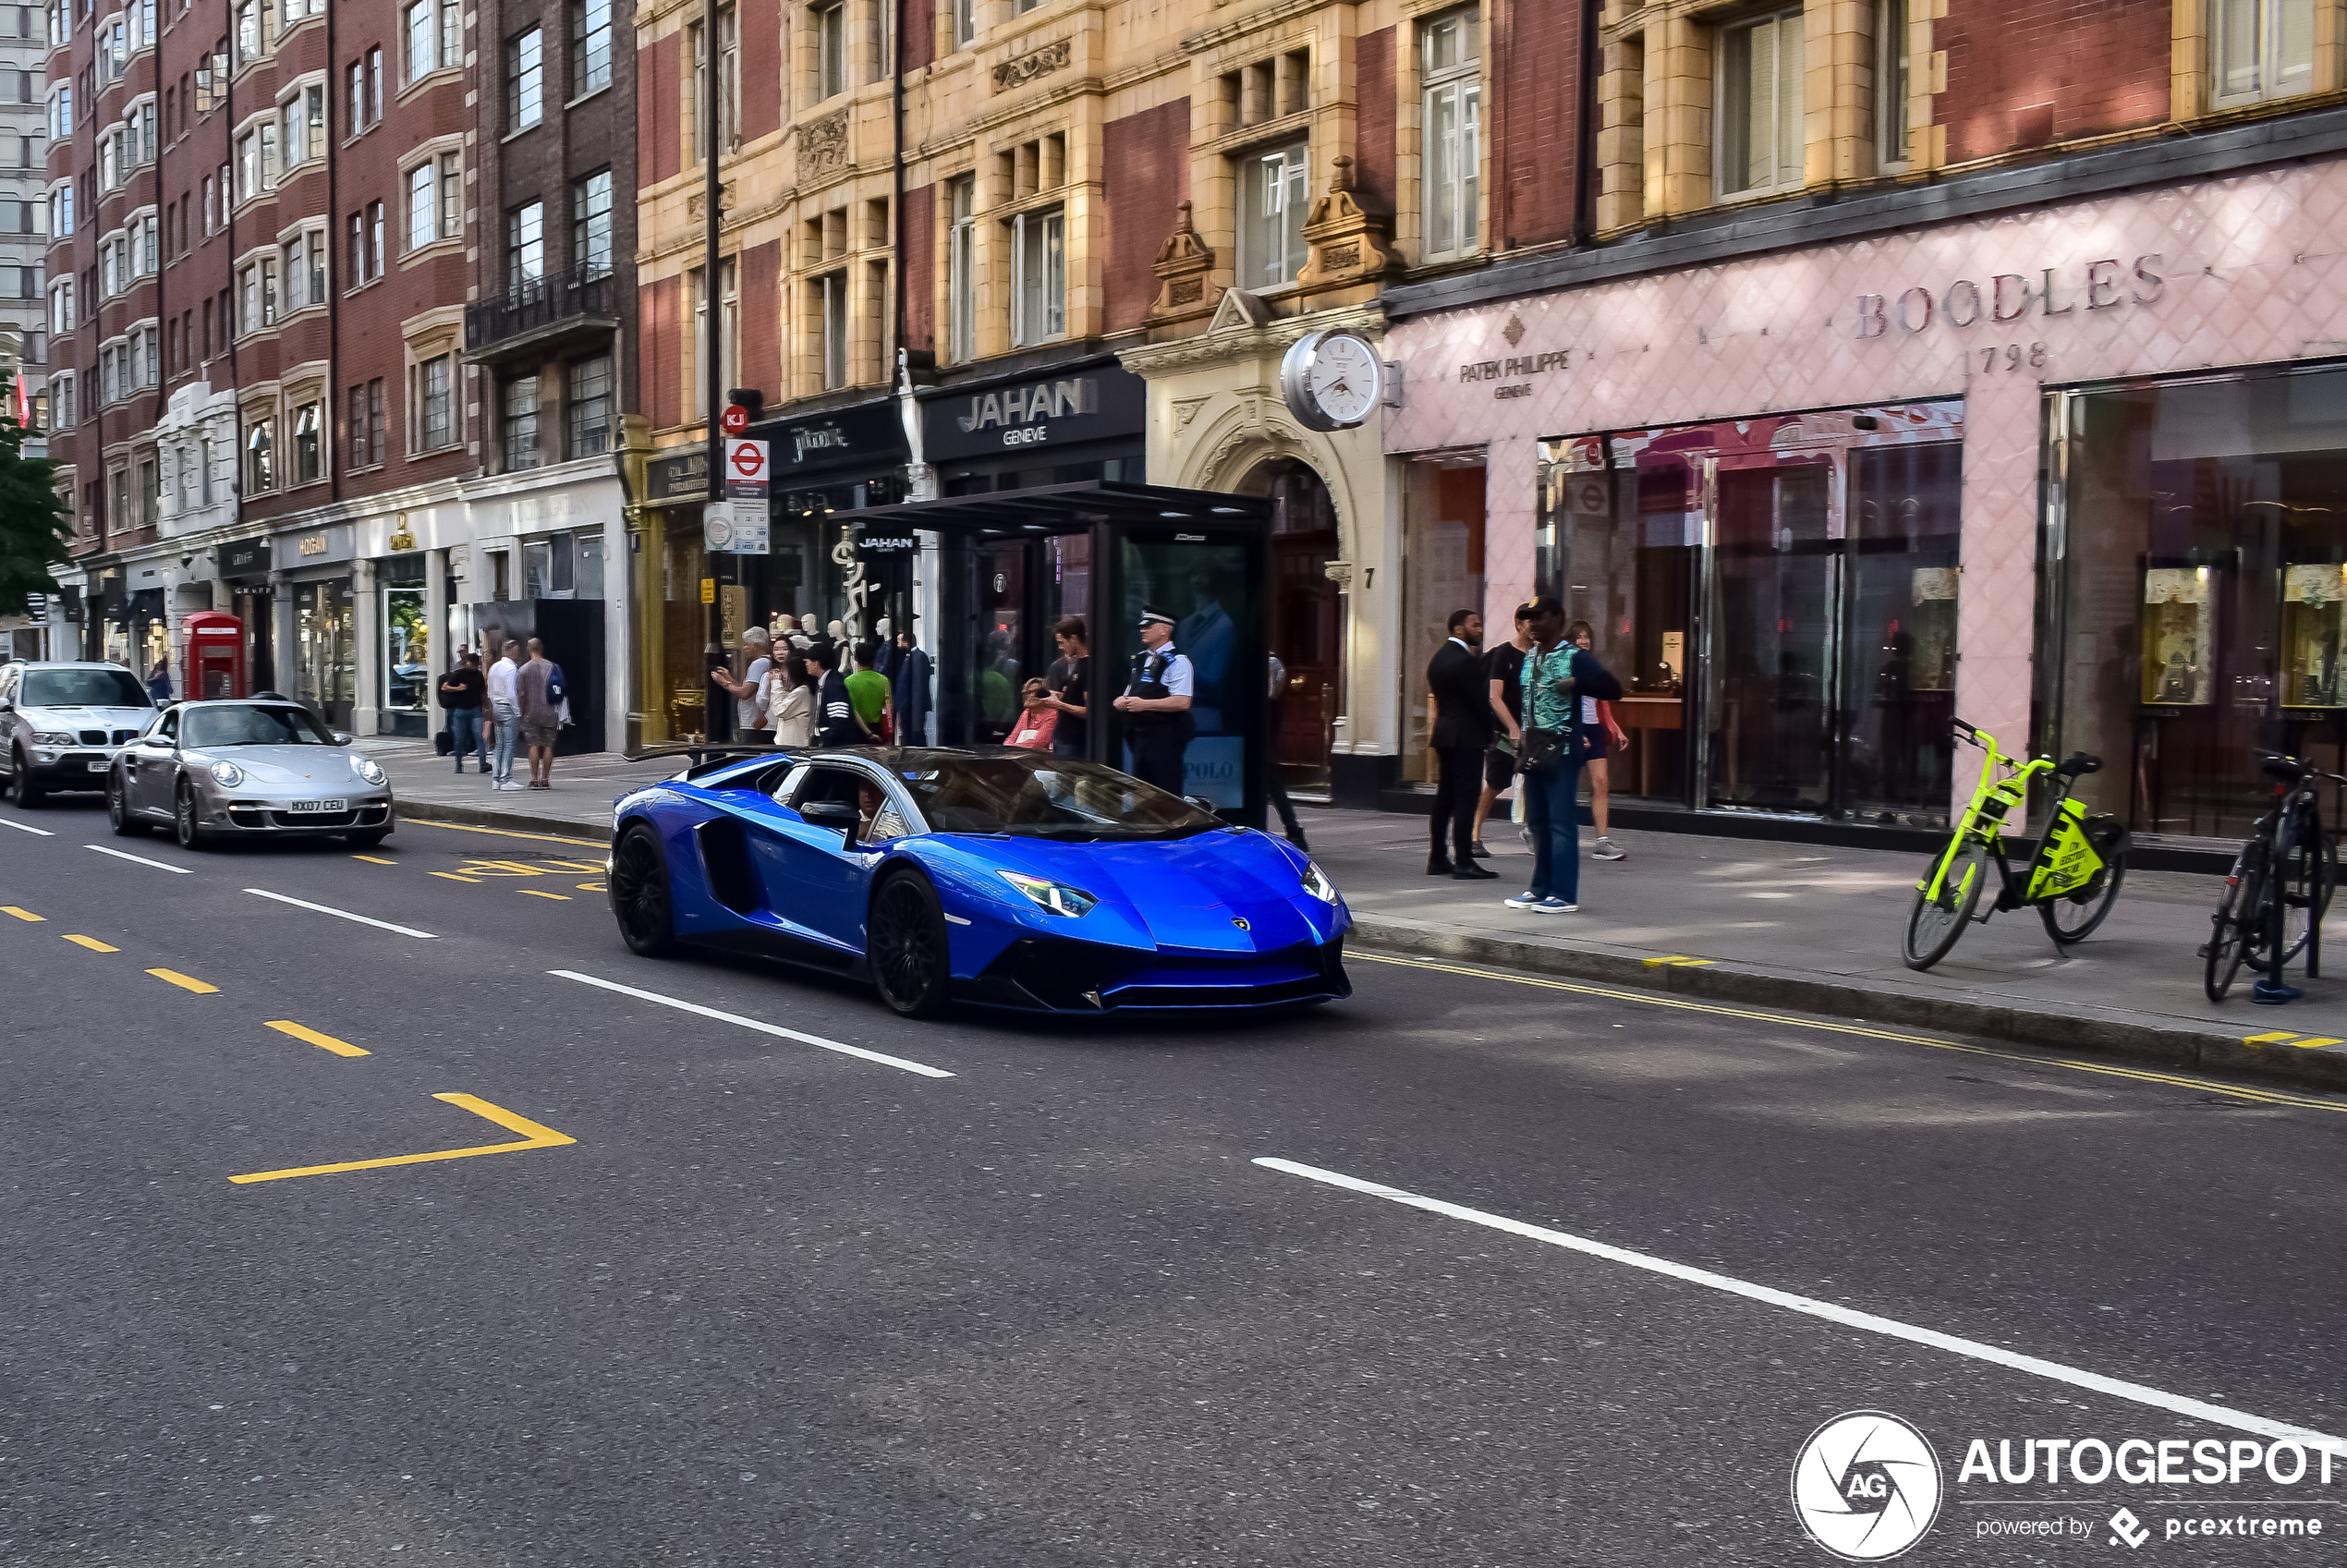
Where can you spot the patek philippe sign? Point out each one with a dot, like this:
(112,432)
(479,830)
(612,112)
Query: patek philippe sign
(1095,403)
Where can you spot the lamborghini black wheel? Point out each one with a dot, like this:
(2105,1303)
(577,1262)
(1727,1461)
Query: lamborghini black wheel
(912,968)
(639,893)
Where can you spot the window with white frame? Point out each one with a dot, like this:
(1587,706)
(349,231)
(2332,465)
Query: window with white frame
(1451,62)
(965,22)
(525,79)
(302,125)
(1272,208)
(308,443)
(591,46)
(728,85)
(435,195)
(526,246)
(830,22)
(61,212)
(61,394)
(1038,278)
(146,246)
(431,38)
(591,225)
(61,112)
(1893,83)
(61,312)
(728,328)
(435,402)
(2261,49)
(146,357)
(1760,129)
(261,451)
(249,38)
(961,269)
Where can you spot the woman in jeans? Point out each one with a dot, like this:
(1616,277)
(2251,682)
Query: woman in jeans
(1557,676)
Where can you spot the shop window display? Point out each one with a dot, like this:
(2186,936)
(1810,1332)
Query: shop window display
(2200,549)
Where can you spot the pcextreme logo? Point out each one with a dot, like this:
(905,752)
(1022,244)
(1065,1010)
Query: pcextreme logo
(1866,1485)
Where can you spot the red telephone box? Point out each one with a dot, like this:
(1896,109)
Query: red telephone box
(213,665)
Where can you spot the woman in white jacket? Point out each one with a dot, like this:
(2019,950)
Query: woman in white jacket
(790,707)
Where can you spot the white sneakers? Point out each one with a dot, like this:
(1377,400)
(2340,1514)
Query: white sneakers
(1606,850)
(1522,900)
(507,783)
(1551,905)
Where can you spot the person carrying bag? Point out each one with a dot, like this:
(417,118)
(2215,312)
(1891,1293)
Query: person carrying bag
(1556,676)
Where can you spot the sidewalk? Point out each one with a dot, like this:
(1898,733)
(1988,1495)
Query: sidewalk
(1798,926)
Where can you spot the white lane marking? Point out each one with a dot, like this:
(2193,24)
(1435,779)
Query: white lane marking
(341,914)
(2159,1399)
(761,1028)
(25,828)
(139,859)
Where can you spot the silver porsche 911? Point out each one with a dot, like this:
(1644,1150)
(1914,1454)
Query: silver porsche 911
(250,768)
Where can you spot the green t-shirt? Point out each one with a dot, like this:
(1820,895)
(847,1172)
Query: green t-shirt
(869,690)
(1548,689)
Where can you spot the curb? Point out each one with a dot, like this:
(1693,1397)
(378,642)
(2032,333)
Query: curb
(512,822)
(2261,1049)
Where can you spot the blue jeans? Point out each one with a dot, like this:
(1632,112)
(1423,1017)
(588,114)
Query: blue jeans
(464,728)
(1553,810)
(508,730)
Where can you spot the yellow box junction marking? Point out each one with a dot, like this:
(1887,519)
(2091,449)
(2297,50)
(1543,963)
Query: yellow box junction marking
(92,944)
(593,887)
(324,1042)
(1677,961)
(535,893)
(454,878)
(2274,1039)
(374,860)
(1652,999)
(20,914)
(2283,1037)
(533,1136)
(184,982)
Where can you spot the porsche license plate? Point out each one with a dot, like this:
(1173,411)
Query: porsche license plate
(315,805)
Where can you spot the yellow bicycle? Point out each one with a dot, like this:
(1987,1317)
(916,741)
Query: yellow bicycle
(2071,880)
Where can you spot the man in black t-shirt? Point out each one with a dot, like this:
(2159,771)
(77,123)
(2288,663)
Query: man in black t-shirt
(1504,668)
(462,691)
(1068,684)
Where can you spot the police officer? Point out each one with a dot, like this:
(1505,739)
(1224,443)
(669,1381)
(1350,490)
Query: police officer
(1159,703)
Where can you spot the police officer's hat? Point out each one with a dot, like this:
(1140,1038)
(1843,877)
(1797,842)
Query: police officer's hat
(1150,613)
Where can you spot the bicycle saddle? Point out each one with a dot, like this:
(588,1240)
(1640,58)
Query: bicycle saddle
(2078,764)
(2289,770)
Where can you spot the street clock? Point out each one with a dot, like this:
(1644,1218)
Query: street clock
(1332,380)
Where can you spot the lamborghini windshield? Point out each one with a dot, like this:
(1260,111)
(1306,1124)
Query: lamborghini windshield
(1036,795)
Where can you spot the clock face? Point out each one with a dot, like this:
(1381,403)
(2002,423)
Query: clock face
(1346,380)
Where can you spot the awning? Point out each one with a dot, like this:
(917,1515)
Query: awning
(1069,508)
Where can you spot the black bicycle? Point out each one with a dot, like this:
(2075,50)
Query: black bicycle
(2280,885)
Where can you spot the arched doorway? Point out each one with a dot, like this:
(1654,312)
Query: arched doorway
(1307,618)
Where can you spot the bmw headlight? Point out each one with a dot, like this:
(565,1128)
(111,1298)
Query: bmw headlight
(1056,898)
(227,775)
(52,738)
(368,768)
(1316,884)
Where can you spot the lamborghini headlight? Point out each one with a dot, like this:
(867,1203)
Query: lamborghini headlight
(1053,898)
(368,768)
(1316,884)
(227,775)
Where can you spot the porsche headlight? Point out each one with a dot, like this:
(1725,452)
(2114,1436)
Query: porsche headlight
(1056,898)
(367,768)
(227,775)
(1316,884)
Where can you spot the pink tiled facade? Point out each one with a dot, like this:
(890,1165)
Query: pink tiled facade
(2246,271)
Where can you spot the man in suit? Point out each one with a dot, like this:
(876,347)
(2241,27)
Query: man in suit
(912,695)
(1462,729)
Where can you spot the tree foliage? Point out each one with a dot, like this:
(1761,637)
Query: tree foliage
(36,523)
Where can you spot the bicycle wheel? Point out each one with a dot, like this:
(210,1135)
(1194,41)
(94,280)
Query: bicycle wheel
(2309,874)
(1934,924)
(2234,928)
(2074,917)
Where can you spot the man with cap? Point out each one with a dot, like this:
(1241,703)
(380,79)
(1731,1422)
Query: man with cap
(1158,704)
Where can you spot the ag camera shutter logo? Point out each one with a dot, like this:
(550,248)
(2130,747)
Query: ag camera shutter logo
(1866,1485)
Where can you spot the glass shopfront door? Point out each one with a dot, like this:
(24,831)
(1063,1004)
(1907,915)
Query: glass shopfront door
(1781,613)
(325,648)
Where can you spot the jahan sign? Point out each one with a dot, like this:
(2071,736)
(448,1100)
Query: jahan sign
(2008,297)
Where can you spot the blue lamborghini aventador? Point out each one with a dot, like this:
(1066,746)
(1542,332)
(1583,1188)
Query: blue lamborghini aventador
(995,877)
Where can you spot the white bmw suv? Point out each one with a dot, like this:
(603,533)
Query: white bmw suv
(61,724)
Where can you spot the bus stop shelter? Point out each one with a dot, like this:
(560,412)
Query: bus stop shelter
(1014,564)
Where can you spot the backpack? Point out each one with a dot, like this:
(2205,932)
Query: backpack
(555,692)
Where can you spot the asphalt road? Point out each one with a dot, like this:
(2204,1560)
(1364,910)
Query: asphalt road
(732,1297)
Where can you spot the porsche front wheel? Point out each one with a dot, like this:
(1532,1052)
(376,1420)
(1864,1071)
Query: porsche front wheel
(639,893)
(911,967)
(119,815)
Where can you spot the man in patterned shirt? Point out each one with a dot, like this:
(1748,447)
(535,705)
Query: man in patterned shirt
(1556,676)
